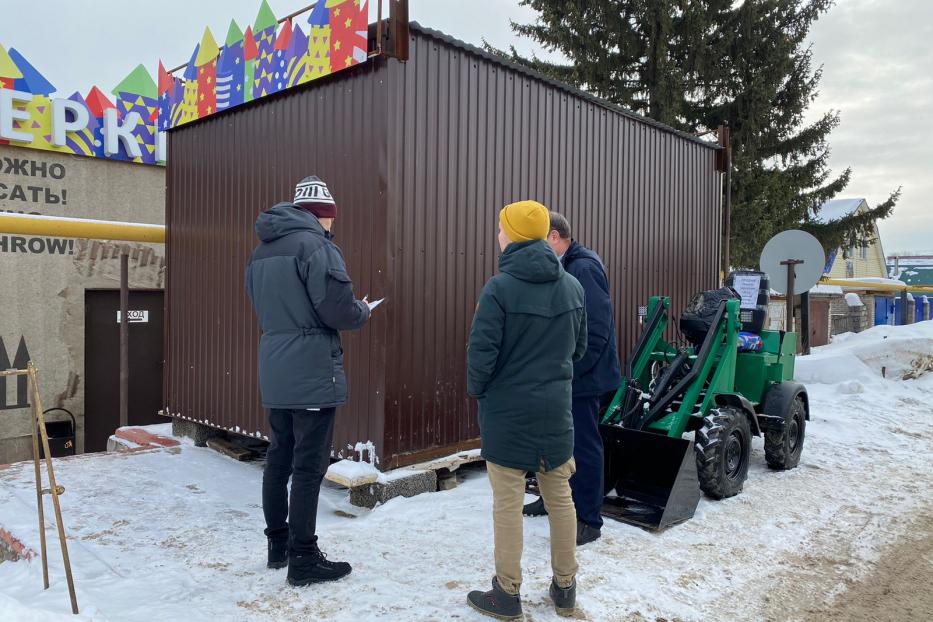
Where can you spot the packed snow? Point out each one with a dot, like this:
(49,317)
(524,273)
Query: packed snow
(176,534)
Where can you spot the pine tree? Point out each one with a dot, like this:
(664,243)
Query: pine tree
(694,65)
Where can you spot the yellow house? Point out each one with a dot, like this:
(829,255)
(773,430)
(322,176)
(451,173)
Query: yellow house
(856,262)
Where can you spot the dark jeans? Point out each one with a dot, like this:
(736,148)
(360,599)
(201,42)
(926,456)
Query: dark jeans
(587,483)
(301,441)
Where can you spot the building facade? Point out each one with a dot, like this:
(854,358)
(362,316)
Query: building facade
(57,303)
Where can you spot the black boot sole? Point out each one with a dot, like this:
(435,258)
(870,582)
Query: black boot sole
(589,540)
(307,582)
(497,616)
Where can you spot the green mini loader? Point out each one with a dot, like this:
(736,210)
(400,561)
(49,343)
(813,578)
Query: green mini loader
(653,475)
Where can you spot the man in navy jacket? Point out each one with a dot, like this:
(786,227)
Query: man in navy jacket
(594,376)
(298,283)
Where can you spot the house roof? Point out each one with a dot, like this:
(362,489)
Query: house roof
(838,208)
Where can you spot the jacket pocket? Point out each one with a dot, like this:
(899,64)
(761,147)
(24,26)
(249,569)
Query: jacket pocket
(339,275)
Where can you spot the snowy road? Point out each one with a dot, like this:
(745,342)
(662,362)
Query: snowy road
(177,534)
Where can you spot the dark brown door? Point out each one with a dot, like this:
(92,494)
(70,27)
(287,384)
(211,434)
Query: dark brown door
(102,363)
(819,322)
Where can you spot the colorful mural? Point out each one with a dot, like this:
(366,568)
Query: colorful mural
(266,58)
(269,57)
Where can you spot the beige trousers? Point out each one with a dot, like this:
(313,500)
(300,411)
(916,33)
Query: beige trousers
(508,497)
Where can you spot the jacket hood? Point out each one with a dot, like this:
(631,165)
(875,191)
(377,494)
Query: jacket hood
(282,219)
(533,261)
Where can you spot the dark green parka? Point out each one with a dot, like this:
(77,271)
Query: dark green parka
(529,329)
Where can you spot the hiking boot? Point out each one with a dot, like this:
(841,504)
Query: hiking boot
(497,603)
(587,534)
(535,508)
(278,553)
(308,568)
(565,598)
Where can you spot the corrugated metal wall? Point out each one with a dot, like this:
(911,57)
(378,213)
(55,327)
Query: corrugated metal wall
(420,157)
(222,172)
(468,135)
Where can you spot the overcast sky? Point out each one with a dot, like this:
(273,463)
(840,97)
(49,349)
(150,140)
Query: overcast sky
(877,57)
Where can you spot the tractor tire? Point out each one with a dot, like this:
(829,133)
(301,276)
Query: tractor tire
(723,446)
(783,447)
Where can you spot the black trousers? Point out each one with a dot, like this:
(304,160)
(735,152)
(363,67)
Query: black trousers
(587,482)
(300,449)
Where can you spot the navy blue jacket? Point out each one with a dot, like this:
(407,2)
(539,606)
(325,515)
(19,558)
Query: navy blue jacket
(299,286)
(598,371)
(529,328)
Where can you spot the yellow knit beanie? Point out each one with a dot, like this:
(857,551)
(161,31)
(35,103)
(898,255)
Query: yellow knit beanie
(525,221)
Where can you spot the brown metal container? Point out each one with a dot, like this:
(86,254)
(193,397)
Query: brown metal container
(420,156)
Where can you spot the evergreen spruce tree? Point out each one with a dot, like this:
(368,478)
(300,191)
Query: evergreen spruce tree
(696,64)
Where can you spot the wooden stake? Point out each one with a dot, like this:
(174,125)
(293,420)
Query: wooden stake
(54,490)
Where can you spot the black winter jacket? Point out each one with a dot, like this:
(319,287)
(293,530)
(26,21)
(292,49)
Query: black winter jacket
(529,328)
(298,283)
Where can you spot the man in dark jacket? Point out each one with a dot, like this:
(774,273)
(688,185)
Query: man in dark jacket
(299,287)
(529,329)
(594,376)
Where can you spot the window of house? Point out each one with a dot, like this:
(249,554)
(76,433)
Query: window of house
(863,251)
(850,270)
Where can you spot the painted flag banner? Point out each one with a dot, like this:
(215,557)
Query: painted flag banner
(265,58)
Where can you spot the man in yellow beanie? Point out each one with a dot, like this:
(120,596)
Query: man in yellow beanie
(529,329)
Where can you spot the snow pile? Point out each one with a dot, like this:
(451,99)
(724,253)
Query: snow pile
(868,357)
(853,300)
(351,473)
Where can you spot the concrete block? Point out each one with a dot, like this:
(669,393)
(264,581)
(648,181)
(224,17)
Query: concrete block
(409,485)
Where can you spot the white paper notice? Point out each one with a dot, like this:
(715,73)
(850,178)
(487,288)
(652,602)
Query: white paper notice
(747,285)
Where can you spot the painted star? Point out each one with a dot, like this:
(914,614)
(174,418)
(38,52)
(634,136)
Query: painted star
(348,23)
(348,62)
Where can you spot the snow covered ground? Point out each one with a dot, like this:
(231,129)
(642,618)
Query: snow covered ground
(176,534)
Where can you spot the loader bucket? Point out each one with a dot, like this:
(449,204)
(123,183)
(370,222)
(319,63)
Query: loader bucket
(650,479)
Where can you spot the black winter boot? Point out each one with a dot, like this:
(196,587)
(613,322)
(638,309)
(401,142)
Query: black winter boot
(565,598)
(278,552)
(309,568)
(535,508)
(587,534)
(497,603)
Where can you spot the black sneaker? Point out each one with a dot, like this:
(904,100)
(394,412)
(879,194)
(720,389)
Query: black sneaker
(497,603)
(535,508)
(314,568)
(587,534)
(565,598)
(278,553)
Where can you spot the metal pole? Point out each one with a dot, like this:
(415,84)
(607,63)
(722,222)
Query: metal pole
(124,338)
(726,141)
(805,322)
(789,319)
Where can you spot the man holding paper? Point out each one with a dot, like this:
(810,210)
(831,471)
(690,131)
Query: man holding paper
(298,283)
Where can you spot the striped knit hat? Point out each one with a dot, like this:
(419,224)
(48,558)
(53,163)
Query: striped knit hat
(311,194)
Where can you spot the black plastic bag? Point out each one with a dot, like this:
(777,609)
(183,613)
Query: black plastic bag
(697,318)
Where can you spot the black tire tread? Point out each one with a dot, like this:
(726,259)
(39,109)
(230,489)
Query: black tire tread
(776,454)
(709,446)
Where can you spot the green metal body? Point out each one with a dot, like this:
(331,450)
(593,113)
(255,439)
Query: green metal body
(725,375)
